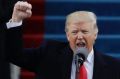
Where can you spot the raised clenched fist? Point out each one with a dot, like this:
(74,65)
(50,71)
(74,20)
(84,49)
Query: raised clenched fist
(21,11)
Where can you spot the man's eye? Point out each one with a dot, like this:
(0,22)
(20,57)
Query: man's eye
(74,32)
(85,32)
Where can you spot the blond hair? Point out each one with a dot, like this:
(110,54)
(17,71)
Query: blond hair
(82,16)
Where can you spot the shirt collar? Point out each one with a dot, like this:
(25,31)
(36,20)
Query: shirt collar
(90,56)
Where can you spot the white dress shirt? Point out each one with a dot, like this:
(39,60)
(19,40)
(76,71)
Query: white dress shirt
(88,65)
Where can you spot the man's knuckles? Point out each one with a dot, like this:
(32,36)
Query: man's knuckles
(23,5)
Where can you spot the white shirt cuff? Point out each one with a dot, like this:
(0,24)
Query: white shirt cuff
(13,24)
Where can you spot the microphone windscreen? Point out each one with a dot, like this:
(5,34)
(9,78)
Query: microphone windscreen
(82,52)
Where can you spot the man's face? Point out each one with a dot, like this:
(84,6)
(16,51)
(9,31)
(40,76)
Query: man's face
(81,34)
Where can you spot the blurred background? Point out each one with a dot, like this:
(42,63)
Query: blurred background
(48,22)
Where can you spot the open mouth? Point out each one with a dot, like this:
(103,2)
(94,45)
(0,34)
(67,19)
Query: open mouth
(81,44)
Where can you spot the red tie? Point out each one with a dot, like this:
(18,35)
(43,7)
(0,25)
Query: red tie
(83,72)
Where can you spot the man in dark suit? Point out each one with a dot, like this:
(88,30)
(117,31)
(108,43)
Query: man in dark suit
(55,60)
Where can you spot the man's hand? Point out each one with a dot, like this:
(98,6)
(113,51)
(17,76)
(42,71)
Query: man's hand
(21,11)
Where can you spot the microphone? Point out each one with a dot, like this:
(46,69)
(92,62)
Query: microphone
(80,56)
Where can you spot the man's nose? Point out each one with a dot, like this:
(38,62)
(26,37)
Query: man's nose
(80,36)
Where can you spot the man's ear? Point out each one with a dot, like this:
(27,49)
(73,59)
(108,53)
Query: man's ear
(96,34)
(67,35)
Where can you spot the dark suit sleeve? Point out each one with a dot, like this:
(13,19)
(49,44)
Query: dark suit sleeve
(27,58)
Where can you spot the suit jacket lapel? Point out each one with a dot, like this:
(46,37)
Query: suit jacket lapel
(99,66)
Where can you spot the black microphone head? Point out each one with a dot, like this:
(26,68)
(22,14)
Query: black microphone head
(81,54)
